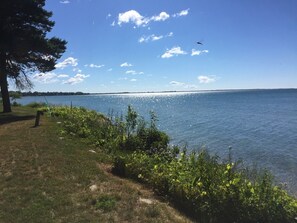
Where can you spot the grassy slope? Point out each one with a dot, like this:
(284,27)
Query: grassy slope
(46,178)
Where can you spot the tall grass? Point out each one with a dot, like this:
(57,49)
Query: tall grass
(207,188)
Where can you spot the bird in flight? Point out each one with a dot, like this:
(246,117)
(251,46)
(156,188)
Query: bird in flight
(199,43)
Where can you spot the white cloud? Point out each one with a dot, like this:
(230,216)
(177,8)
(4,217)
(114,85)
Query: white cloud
(198,52)
(181,13)
(133,72)
(77,70)
(108,15)
(45,78)
(161,17)
(177,83)
(65,2)
(70,61)
(126,65)
(63,75)
(133,80)
(110,69)
(78,78)
(113,23)
(133,17)
(153,37)
(183,85)
(138,20)
(94,65)
(174,51)
(206,79)
(170,34)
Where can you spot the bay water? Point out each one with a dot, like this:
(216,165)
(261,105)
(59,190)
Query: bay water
(259,125)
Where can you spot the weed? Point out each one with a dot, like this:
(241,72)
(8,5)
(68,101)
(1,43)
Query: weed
(106,203)
(152,211)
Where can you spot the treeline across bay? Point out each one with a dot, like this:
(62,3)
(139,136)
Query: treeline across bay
(37,93)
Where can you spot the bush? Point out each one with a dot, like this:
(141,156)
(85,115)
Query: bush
(112,134)
(210,190)
(37,105)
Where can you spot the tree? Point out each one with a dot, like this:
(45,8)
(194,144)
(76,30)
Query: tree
(24,46)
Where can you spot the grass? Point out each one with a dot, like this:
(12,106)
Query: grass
(45,177)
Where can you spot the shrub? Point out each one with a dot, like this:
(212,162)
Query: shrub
(210,190)
(106,203)
(36,105)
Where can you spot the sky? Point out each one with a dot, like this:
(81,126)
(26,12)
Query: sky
(151,45)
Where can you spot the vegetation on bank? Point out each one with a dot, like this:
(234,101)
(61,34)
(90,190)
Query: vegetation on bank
(204,186)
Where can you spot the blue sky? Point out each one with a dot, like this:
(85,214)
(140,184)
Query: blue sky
(150,45)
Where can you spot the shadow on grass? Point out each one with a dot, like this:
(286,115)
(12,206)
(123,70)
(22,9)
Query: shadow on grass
(9,118)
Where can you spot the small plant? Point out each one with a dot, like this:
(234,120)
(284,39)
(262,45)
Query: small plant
(152,211)
(106,203)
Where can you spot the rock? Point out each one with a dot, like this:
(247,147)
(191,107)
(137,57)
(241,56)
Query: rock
(93,187)
(146,201)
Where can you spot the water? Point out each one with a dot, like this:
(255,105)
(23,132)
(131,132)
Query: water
(259,125)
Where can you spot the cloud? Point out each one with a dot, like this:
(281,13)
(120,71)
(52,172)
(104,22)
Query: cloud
(169,34)
(133,80)
(77,70)
(161,17)
(63,75)
(110,69)
(108,16)
(177,83)
(198,52)
(133,72)
(78,78)
(153,37)
(206,79)
(183,85)
(133,17)
(137,19)
(174,51)
(126,65)
(70,61)
(65,2)
(94,65)
(113,23)
(45,78)
(181,13)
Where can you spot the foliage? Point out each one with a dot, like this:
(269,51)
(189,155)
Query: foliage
(210,190)
(106,203)
(141,137)
(112,133)
(37,105)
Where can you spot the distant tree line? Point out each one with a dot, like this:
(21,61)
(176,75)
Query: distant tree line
(37,93)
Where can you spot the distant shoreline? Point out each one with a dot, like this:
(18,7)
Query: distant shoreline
(142,92)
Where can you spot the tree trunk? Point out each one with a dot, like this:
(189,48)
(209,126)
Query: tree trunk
(4,85)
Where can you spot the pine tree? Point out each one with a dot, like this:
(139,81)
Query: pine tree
(24,45)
